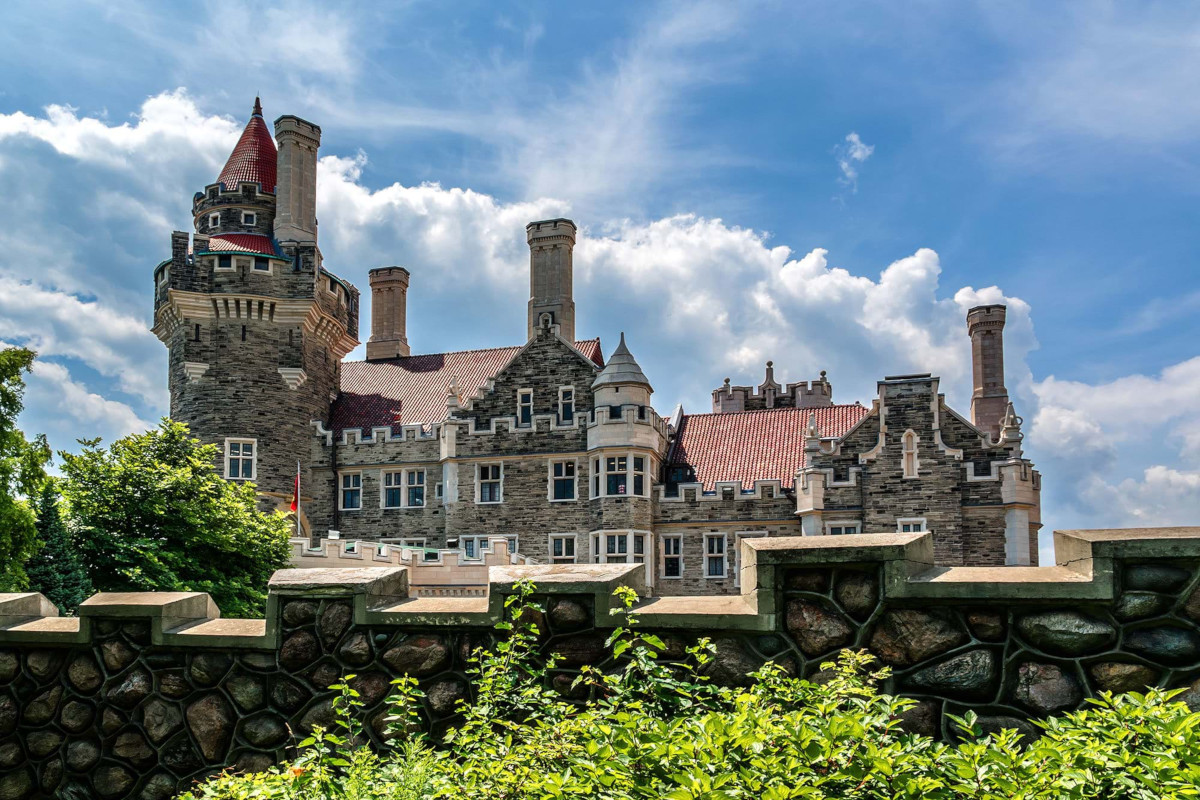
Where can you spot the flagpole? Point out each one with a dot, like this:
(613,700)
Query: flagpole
(298,532)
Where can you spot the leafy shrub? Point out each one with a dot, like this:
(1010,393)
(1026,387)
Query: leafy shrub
(660,731)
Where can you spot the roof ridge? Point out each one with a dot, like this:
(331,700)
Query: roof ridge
(773,410)
(456,352)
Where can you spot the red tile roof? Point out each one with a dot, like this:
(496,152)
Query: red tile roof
(412,391)
(753,445)
(253,158)
(242,243)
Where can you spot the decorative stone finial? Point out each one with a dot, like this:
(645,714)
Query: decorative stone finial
(812,434)
(1010,429)
(257,112)
(822,376)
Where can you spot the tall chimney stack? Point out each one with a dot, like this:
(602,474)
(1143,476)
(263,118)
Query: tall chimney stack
(989,400)
(296,195)
(389,305)
(551,244)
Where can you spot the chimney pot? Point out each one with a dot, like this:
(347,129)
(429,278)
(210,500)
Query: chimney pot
(551,280)
(389,305)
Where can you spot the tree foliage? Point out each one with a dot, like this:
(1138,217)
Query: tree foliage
(22,471)
(56,570)
(151,513)
(655,732)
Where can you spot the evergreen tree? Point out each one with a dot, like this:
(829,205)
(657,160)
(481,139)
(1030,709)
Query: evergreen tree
(56,569)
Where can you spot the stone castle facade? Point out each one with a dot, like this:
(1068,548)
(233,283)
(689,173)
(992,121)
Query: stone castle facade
(546,443)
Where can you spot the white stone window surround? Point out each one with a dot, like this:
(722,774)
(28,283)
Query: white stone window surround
(626,468)
(257,262)
(670,547)
(233,453)
(350,485)
(916,524)
(620,546)
(566,402)
(475,545)
(842,524)
(217,263)
(737,552)
(398,480)
(214,220)
(570,469)
(715,547)
(496,477)
(568,550)
(525,408)
(909,459)
(164,275)
(249,218)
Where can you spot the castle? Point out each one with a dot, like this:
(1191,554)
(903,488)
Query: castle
(546,442)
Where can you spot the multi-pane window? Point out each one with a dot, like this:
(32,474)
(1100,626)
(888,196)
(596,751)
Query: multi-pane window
(909,454)
(525,407)
(415,488)
(490,483)
(562,477)
(393,489)
(672,556)
(616,470)
(840,528)
(619,547)
(240,459)
(639,475)
(562,549)
(910,525)
(566,404)
(476,546)
(714,556)
(351,494)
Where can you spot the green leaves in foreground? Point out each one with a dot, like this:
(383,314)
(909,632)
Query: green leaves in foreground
(655,730)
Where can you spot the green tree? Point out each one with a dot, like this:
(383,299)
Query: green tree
(150,513)
(22,471)
(55,569)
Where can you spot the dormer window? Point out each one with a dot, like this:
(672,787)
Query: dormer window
(214,220)
(908,448)
(248,217)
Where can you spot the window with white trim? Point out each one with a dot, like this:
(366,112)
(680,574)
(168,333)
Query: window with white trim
(248,217)
(525,407)
(489,483)
(618,547)
(737,552)
(262,264)
(562,548)
(910,525)
(241,459)
(908,446)
(639,475)
(616,475)
(414,491)
(393,488)
(350,496)
(164,275)
(476,546)
(566,405)
(562,481)
(437,490)
(214,220)
(619,475)
(672,556)
(224,262)
(840,528)
(404,488)
(714,555)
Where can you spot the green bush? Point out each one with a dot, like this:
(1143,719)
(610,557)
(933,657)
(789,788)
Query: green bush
(660,731)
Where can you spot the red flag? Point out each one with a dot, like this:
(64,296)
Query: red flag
(296,489)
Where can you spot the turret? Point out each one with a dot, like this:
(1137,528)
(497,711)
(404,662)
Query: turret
(989,398)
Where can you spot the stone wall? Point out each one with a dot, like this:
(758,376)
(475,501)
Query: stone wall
(145,693)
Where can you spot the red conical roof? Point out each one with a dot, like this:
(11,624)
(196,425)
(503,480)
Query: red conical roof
(253,159)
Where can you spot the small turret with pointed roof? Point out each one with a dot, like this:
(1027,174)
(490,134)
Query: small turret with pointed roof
(253,159)
(622,370)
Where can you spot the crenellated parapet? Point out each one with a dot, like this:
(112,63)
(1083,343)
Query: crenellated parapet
(144,693)
(770,394)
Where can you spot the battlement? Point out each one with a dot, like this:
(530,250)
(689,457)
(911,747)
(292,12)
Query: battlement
(769,394)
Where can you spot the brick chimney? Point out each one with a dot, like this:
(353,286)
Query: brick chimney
(389,302)
(989,399)
(551,247)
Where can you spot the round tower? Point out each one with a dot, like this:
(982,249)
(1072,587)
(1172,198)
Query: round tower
(626,443)
(256,331)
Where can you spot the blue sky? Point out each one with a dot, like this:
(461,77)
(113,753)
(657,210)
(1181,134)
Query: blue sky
(828,185)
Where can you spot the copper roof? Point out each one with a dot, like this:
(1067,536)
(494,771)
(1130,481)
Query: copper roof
(253,158)
(748,446)
(412,390)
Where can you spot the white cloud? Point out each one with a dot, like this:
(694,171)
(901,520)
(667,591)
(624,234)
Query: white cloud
(74,411)
(851,155)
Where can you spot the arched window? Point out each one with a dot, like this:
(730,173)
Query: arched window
(909,453)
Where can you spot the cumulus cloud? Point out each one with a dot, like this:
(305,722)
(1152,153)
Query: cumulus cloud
(74,410)
(851,154)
